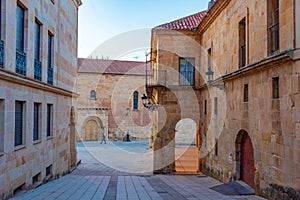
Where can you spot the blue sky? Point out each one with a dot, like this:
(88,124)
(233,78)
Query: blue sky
(115,21)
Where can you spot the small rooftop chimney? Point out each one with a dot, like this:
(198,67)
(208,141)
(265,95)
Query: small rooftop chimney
(210,3)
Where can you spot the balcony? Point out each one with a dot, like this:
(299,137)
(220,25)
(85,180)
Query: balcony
(37,70)
(20,62)
(1,54)
(50,76)
(156,78)
(274,38)
(164,78)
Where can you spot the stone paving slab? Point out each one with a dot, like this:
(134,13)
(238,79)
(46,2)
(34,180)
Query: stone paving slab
(95,180)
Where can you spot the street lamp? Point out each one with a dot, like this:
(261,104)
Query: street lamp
(210,77)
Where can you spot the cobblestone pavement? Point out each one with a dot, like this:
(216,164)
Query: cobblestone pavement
(94,180)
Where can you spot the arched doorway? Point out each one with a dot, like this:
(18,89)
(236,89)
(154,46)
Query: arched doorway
(91,131)
(186,147)
(245,158)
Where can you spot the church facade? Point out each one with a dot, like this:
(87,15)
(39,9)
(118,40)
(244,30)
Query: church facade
(109,100)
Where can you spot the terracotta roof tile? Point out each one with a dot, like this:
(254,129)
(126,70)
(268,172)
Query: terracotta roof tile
(111,66)
(186,23)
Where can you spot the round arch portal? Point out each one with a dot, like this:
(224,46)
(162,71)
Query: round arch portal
(92,129)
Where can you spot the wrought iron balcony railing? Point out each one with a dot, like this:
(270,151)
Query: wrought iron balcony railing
(156,77)
(50,76)
(37,70)
(1,54)
(274,38)
(20,62)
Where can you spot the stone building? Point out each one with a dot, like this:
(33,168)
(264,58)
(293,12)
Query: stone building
(244,92)
(38,61)
(109,100)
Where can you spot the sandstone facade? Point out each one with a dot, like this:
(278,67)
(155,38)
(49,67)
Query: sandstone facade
(34,159)
(249,110)
(111,110)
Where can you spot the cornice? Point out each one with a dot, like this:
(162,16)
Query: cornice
(212,14)
(29,82)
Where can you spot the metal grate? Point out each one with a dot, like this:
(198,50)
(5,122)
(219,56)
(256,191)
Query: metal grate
(1,54)
(37,70)
(20,62)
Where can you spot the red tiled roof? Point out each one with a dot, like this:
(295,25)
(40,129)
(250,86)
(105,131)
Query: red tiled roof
(186,23)
(111,66)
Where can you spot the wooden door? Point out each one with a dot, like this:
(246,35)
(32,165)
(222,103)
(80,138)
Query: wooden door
(91,131)
(247,164)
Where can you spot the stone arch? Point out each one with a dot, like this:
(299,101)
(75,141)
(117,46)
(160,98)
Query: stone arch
(92,129)
(186,146)
(244,157)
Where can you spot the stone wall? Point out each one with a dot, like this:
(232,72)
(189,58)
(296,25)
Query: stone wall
(271,123)
(114,100)
(19,164)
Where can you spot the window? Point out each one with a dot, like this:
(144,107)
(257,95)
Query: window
(49,119)
(216,147)
(93,94)
(187,71)
(273,26)
(216,105)
(1,42)
(205,107)
(49,170)
(275,87)
(50,59)
(20,55)
(19,122)
(242,43)
(246,93)
(37,46)
(135,100)
(36,121)
(2,122)
(36,178)
(209,58)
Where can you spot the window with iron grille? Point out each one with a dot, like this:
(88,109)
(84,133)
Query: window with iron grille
(37,48)
(50,59)
(49,119)
(19,122)
(1,41)
(242,43)
(135,100)
(246,93)
(20,55)
(273,26)
(187,71)
(36,121)
(275,87)
(2,122)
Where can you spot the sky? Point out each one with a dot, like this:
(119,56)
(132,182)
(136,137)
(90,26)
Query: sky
(121,29)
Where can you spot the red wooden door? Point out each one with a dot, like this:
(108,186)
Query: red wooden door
(247,172)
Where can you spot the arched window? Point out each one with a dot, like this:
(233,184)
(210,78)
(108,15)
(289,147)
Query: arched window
(135,100)
(93,94)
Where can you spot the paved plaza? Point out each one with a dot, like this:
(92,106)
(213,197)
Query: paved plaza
(122,171)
